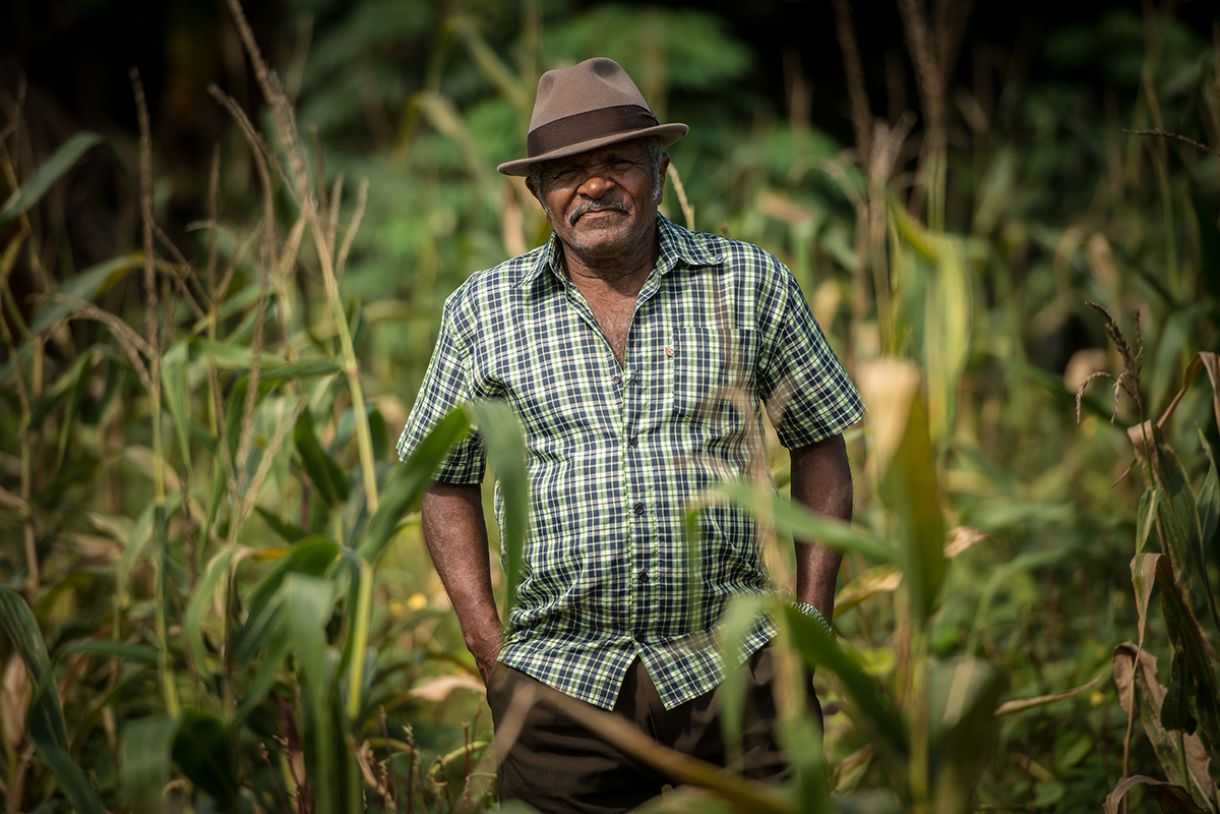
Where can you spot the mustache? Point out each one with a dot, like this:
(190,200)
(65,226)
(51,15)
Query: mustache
(595,206)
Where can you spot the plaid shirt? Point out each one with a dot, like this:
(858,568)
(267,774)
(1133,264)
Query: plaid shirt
(616,453)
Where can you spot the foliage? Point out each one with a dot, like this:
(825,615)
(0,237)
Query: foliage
(214,594)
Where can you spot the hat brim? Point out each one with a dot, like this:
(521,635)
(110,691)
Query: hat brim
(669,133)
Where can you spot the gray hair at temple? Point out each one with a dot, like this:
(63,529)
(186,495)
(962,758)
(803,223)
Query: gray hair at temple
(654,149)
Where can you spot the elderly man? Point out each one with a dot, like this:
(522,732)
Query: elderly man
(636,354)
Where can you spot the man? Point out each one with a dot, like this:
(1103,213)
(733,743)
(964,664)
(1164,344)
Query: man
(635,353)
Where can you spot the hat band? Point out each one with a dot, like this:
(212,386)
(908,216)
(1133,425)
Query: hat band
(588,125)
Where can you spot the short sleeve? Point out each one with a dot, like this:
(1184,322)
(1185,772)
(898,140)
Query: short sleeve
(447,384)
(808,394)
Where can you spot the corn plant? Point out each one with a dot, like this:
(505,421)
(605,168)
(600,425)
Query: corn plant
(241,665)
(1181,720)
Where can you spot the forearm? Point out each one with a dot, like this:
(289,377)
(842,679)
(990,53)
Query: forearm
(821,481)
(456,536)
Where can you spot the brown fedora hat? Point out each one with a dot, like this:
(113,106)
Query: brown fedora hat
(585,107)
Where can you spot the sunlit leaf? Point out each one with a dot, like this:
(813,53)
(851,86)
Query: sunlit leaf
(906,471)
(409,481)
(876,713)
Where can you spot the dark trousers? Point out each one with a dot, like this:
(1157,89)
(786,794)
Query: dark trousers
(556,765)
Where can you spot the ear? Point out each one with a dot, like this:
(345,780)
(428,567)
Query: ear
(529,184)
(663,171)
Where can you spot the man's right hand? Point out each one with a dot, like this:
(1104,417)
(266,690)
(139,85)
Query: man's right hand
(452,517)
(486,650)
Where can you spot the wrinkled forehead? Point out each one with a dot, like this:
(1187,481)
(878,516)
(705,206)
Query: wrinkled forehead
(634,149)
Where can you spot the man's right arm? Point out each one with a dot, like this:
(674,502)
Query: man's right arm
(456,536)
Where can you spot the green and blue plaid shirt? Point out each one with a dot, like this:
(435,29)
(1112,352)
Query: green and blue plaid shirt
(616,453)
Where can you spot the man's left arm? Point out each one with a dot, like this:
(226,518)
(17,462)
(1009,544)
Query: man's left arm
(821,481)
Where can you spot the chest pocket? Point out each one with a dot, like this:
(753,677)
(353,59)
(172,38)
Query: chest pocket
(713,381)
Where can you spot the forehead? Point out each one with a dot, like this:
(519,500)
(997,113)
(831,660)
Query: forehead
(633,149)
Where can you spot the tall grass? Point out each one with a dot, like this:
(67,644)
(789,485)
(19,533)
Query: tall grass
(272,679)
(214,603)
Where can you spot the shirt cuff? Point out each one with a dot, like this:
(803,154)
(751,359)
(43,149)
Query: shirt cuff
(810,610)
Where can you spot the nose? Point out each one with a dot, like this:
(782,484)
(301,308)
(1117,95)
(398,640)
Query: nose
(595,185)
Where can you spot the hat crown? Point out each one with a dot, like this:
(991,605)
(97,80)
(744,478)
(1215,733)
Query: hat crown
(587,106)
(594,84)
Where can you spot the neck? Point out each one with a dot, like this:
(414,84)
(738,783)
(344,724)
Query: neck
(618,270)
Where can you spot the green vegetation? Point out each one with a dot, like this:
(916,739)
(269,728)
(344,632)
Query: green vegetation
(213,593)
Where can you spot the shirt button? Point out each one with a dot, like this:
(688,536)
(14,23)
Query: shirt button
(639,508)
(643,577)
(617,380)
(633,441)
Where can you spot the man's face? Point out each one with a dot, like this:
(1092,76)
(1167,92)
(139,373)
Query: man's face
(601,203)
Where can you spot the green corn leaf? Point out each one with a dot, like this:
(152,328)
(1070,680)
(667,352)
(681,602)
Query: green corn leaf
(176,388)
(306,607)
(504,443)
(126,652)
(238,357)
(271,659)
(1145,517)
(408,482)
(323,472)
(311,556)
(72,779)
(235,408)
(820,650)
(86,286)
(46,175)
(63,385)
(792,519)
(735,625)
(289,532)
(200,603)
(145,759)
(358,650)
(1175,709)
(1181,538)
(962,698)
(72,405)
(1208,505)
(45,720)
(801,739)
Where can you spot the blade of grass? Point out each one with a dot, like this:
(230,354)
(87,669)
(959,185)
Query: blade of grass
(48,173)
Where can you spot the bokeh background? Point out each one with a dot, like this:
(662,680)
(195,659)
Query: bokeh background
(949,181)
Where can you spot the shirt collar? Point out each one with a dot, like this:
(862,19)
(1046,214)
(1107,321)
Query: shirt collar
(677,245)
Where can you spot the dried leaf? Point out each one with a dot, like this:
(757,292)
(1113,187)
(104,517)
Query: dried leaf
(436,690)
(1172,798)
(1143,577)
(1141,693)
(14,701)
(1022,704)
